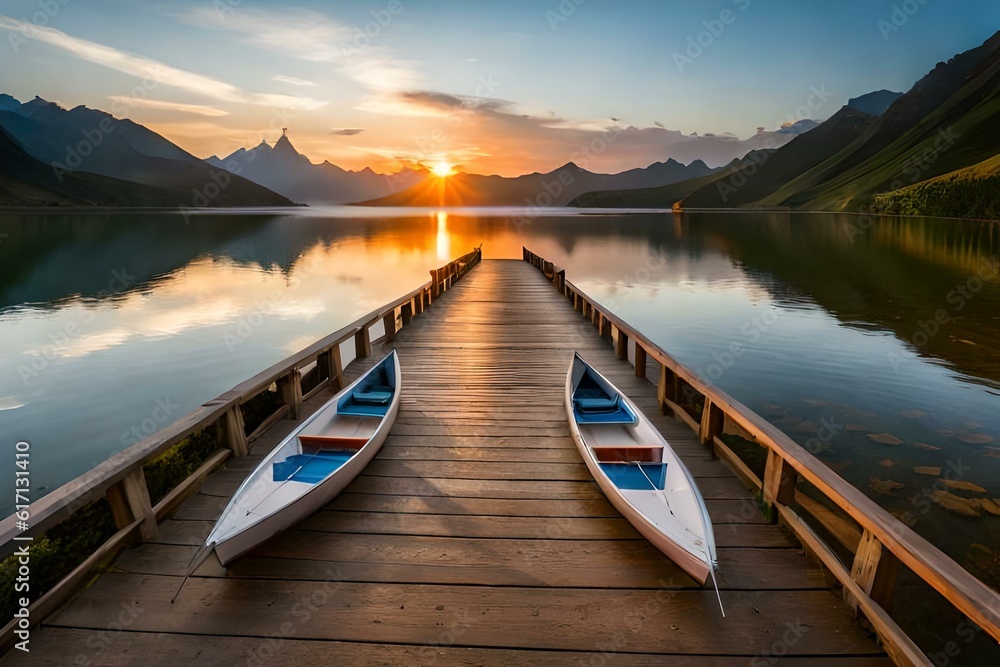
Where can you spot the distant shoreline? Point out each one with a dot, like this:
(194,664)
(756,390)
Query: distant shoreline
(252,210)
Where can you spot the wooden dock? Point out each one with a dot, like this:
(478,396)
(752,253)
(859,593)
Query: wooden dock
(476,536)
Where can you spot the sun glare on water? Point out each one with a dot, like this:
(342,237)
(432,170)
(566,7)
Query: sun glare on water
(442,169)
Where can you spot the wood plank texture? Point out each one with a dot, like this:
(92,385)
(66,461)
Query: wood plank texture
(476,536)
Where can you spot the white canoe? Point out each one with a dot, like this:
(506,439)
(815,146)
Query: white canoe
(638,471)
(312,464)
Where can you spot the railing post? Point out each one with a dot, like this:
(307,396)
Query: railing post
(667,388)
(389,321)
(129,500)
(779,480)
(640,360)
(661,389)
(436,283)
(290,388)
(406,313)
(621,345)
(874,570)
(362,342)
(711,422)
(233,436)
(336,369)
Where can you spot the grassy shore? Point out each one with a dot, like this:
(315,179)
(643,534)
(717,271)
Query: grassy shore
(973,192)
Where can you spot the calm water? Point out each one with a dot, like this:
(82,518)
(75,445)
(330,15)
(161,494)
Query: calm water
(113,325)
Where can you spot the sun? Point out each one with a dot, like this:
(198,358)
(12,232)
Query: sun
(442,169)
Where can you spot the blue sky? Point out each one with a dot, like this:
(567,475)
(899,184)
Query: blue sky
(239,74)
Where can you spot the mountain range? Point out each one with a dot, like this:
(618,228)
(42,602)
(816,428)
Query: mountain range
(25,181)
(150,171)
(878,143)
(555,188)
(931,149)
(655,197)
(283,169)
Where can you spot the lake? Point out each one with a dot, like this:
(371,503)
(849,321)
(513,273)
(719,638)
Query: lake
(883,331)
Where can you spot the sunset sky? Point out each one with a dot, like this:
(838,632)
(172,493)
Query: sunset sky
(495,87)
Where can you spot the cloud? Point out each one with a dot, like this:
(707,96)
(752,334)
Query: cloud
(311,36)
(346,131)
(147,68)
(584,125)
(168,106)
(301,33)
(379,71)
(429,104)
(659,124)
(178,131)
(127,62)
(292,80)
(287,101)
(433,99)
(800,126)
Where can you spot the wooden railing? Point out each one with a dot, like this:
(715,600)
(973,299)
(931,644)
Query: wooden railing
(121,479)
(883,542)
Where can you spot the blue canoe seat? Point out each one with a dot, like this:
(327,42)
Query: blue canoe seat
(371,397)
(368,401)
(311,468)
(602,409)
(628,475)
(596,404)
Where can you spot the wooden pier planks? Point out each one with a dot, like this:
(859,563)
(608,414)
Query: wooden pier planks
(476,536)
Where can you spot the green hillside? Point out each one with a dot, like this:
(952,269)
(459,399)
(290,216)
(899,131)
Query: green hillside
(973,192)
(947,121)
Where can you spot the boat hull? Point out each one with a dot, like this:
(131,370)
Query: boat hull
(307,505)
(696,565)
(229,543)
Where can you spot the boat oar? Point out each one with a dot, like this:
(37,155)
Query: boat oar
(199,558)
(716,584)
(711,566)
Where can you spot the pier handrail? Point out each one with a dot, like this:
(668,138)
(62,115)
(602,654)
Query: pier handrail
(885,541)
(121,479)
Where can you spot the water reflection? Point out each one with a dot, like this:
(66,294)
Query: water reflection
(807,319)
(443,240)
